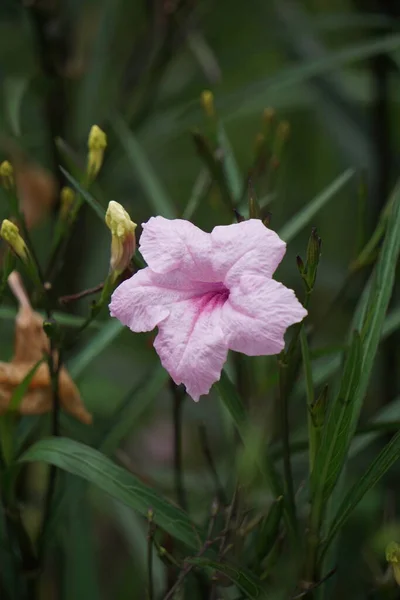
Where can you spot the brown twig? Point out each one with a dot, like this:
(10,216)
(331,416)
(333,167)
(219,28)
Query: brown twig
(188,567)
(79,295)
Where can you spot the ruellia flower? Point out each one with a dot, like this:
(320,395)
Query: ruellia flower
(207,293)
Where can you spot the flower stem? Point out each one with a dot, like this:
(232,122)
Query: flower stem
(54,369)
(287,466)
(178,399)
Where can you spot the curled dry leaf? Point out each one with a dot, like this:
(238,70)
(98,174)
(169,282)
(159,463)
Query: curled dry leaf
(31,344)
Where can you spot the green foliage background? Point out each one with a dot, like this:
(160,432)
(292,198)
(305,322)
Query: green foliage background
(331,69)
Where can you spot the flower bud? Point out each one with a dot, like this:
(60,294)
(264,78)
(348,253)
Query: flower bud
(313,256)
(123,242)
(67,197)
(393,557)
(7,175)
(10,234)
(207,102)
(97,143)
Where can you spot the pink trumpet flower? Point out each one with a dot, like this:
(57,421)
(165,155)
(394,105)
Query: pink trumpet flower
(207,293)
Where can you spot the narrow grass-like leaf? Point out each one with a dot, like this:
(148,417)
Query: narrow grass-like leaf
(379,297)
(9,313)
(268,531)
(7,421)
(199,191)
(151,185)
(387,457)
(231,168)
(14,89)
(335,434)
(97,344)
(248,583)
(98,209)
(306,214)
(22,388)
(97,469)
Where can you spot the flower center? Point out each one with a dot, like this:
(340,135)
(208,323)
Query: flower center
(216,297)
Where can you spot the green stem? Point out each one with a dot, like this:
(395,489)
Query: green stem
(178,399)
(313,431)
(285,433)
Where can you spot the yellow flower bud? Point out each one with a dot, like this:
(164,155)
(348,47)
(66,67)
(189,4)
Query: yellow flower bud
(123,242)
(207,102)
(67,197)
(10,234)
(393,557)
(97,143)
(7,174)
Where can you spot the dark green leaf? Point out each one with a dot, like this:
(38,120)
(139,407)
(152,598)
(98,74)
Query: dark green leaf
(387,457)
(97,469)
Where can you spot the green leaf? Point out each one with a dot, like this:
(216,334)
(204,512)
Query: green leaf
(152,187)
(378,301)
(233,175)
(98,209)
(98,343)
(82,571)
(22,388)
(268,531)
(97,469)
(8,422)
(248,583)
(335,434)
(14,89)
(200,189)
(386,458)
(306,214)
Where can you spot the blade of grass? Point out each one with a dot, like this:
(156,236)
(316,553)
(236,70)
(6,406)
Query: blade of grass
(97,208)
(94,467)
(386,458)
(305,215)
(150,183)
(98,343)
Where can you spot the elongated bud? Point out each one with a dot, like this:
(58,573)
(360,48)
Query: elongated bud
(393,558)
(268,115)
(10,234)
(207,102)
(97,143)
(7,175)
(300,265)
(313,256)
(67,197)
(123,242)
(150,515)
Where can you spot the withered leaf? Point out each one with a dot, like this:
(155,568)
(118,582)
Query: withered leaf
(31,344)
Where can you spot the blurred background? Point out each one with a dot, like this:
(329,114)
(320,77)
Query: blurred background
(328,73)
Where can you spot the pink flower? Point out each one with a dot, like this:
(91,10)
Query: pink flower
(207,293)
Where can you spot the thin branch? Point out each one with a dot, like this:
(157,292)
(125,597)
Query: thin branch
(79,295)
(178,399)
(205,446)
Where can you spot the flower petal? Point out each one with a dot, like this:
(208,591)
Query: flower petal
(145,300)
(167,245)
(191,344)
(257,314)
(247,247)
